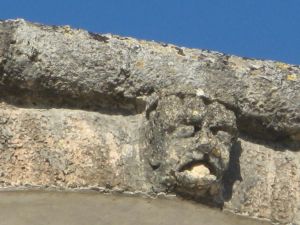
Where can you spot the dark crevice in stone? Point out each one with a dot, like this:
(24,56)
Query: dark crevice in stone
(227,129)
(282,145)
(254,127)
(180,51)
(164,44)
(151,106)
(123,76)
(92,101)
(155,164)
(34,56)
(12,42)
(99,37)
(197,128)
(2,68)
(120,38)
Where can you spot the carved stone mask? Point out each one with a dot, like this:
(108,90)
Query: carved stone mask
(190,140)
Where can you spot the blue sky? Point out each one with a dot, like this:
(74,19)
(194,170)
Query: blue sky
(266,29)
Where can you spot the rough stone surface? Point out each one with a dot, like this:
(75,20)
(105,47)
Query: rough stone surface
(267,182)
(109,113)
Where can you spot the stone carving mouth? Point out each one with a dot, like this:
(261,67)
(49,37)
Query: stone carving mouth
(195,166)
(197,178)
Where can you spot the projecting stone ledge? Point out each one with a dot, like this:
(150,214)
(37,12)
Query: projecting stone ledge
(81,110)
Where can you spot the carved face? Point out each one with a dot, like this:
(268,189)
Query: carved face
(190,141)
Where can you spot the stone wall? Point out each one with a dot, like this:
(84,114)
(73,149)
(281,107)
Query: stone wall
(80,110)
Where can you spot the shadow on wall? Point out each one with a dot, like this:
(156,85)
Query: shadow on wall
(233,173)
(91,101)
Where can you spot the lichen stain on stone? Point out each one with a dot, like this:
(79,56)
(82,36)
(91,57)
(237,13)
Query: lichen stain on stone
(216,152)
(282,66)
(292,77)
(68,31)
(140,64)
